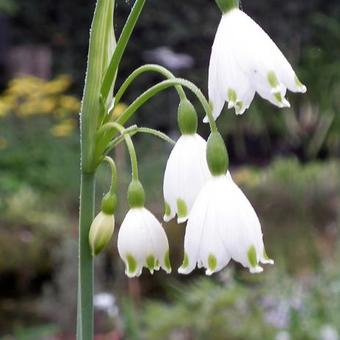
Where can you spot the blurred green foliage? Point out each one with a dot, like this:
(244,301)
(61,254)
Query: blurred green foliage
(37,135)
(229,308)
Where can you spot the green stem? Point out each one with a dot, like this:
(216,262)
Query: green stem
(156,133)
(146,68)
(120,48)
(113,168)
(132,131)
(152,91)
(85,284)
(129,145)
(227,5)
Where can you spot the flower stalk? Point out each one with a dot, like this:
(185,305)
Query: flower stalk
(101,45)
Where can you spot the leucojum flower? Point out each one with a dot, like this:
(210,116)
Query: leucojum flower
(186,170)
(244,60)
(142,241)
(222,224)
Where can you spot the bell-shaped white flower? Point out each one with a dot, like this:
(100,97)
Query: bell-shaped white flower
(142,242)
(101,231)
(223,225)
(245,60)
(185,174)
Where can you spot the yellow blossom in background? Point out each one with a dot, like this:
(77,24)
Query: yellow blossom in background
(58,85)
(29,96)
(69,103)
(64,128)
(245,177)
(4,108)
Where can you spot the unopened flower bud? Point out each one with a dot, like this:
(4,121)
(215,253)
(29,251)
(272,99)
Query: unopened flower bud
(101,231)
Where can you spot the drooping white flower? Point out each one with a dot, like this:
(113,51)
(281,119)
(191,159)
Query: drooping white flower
(245,60)
(101,231)
(223,225)
(185,174)
(142,242)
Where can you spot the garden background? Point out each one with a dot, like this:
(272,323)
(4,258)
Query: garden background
(286,161)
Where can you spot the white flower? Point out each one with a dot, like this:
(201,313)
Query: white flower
(101,231)
(185,174)
(142,242)
(223,225)
(245,60)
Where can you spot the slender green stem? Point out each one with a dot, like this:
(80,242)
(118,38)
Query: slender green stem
(120,48)
(140,70)
(132,131)
(113,168)
(129,145)
(85,284)
(156,133)
(152,91)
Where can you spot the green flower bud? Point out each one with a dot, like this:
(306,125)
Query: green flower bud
(109,203)
(227,5)
(136,194)
(101,231)
(187,118)
(217,155)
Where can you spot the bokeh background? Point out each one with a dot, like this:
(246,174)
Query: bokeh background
(286,161)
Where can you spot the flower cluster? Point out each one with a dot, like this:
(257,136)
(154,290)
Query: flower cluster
(198,187)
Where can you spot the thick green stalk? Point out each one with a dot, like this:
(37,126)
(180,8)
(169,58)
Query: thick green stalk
(85,285)
(101,41)
(101,46)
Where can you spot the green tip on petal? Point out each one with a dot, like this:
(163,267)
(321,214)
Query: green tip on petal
(299,84)
(252,257)
(278,97)
(131,264)
(265,255)
(272,79)
(167,209)
(239,106)
(212,263)
(151,263)
(232,96)
(182,210)
(167,264)
(185,263)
